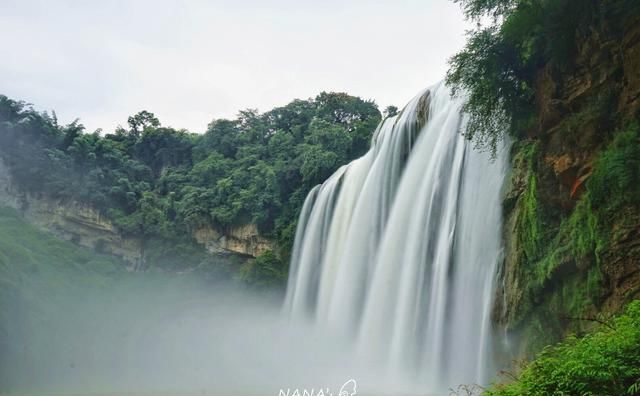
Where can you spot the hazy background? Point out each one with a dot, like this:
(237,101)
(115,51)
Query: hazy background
(192,61)
(157,335)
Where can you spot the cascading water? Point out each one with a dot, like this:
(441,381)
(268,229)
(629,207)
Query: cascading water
(397,250)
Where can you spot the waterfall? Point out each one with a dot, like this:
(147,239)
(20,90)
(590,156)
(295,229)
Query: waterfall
(397,250)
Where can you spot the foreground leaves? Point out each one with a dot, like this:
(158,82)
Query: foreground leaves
(606,362)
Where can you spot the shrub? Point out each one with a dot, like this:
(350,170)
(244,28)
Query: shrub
(606,362)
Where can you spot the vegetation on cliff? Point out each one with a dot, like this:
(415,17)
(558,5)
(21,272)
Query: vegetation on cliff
(559,78)
(35,268)
(606,362)
(65,309)
(513,42)
(563,261)
(160,183)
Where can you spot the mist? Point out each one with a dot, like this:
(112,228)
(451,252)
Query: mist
(169,334)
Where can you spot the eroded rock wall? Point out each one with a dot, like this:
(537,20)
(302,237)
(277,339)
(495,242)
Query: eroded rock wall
(245,240)
(578,113)
(86,226)
(71,221)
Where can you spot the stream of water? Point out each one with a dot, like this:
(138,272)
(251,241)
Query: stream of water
(391,286)
(397,251)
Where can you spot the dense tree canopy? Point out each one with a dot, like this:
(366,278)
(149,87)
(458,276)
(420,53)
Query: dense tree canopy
(156,182)
(512,42)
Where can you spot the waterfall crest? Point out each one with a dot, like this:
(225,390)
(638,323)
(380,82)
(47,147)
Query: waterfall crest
(397,250)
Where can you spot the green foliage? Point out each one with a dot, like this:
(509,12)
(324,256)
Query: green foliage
(563,262)
(478,8)
(142,121)
(500,64)
(486,70)
(557,261)
(615,181)
(606,362)
(390,111)
(31,261)
(516,62)
(43,278)
(495,69)
(24,248)
(530,224)
(583,230)
(35,270)
(148,219)
(266,270)
(579,240)
(157,183)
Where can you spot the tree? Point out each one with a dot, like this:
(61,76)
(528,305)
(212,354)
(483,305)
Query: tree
(390,111)
(142,120)
(158,183)
(511,44)
(476,9)
(160,148)
(221,136)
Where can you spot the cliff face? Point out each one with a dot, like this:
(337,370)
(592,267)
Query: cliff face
(71,221)
(245,240)
(85,226)
(564,260)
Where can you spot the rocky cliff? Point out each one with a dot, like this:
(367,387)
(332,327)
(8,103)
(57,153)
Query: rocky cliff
(568,256)
(72,221)
(245,240)
(85,226)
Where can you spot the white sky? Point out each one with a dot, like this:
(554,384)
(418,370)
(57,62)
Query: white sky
(192,61)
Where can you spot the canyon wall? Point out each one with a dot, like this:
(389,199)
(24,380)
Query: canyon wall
(568,261)
(86,226)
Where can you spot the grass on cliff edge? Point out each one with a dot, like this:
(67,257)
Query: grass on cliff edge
(36,268)
(66,311)
(606,362)
(29,256)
